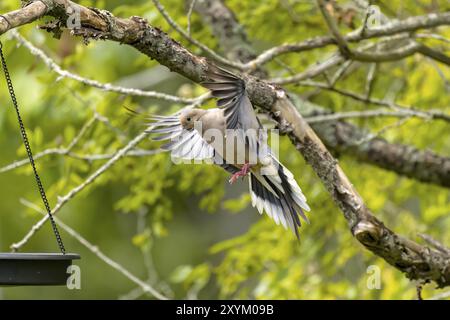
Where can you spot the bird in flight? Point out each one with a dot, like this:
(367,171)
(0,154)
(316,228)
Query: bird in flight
(231,136)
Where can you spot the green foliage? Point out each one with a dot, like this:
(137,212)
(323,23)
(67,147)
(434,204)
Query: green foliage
(206,239)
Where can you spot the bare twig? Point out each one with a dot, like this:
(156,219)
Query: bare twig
(393,28)
(419,288)
(195,42)
(440,296)
(365,114)
(399,110)
(85,157)
(311,72)
(370,79)
(366,18)
(341,71)
(340,41)
(145,287)
(189,15)
(368,230)
(416,261)
(63,200)
(434,54)
(22,16)
(94,83)
(61,151)
(37,9)
(435,244)
(383,130)
(134,294)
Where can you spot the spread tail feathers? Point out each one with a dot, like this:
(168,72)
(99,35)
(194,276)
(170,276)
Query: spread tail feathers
(284,202)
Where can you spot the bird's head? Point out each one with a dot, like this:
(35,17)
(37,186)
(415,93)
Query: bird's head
(189,117)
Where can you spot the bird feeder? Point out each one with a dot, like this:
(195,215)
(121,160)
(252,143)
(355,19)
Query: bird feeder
(33,269)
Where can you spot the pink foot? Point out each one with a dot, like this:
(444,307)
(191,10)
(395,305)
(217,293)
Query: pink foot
(244,171)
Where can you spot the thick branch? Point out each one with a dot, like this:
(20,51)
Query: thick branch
(423,166)
(416,261)
(62,73)
(365,227)
(22,16)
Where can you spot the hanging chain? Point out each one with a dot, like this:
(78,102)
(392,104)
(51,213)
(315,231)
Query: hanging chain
(29,153)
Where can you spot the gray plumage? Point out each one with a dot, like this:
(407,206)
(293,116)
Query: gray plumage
(272,186)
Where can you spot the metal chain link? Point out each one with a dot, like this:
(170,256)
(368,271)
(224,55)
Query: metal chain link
(29,153)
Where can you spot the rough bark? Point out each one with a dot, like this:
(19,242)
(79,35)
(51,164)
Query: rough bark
(421,165)
(366,228)
(339,136)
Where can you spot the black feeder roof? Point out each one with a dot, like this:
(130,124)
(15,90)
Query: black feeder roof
(35,269)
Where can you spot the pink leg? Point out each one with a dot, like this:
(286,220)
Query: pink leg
(244,171)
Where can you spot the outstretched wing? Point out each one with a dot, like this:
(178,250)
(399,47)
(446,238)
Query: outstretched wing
(232,97)
(184,143)
(231,94)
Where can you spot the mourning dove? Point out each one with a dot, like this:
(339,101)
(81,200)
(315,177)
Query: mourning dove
(232,137)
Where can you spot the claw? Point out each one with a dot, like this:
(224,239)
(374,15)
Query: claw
(244,171)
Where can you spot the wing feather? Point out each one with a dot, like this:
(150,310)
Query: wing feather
(231,94)
(183,143)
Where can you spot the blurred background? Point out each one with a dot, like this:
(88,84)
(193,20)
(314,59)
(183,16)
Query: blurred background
(183,228)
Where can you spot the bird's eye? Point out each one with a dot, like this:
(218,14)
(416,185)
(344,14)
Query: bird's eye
(188,119)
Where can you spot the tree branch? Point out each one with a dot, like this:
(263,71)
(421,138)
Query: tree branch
(339,39)
(358,55)
(411,111)
(72,193)
(424,166)
(229,34)
(311,72)
(119,154)
(52,65)
(22,16)
(364,114)
(416,261)
(408,25)
(365,227)
(195,42)
(145,287)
